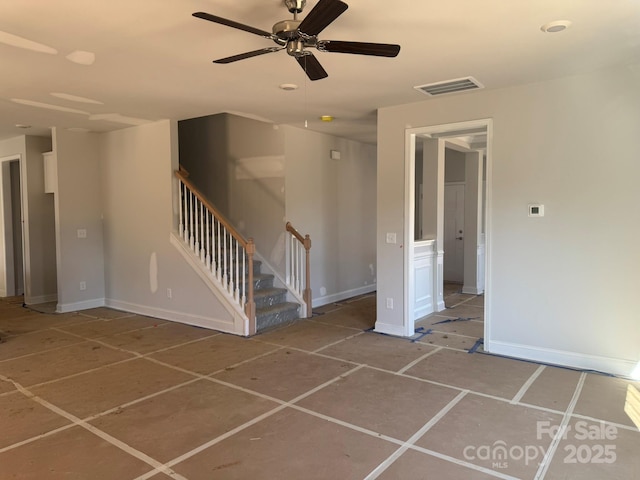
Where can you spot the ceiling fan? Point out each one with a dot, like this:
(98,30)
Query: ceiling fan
(296,36)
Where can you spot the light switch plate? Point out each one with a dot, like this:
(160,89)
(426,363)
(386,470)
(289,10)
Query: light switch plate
(391,237)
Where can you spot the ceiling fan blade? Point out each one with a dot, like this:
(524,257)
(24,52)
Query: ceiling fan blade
(242,56)
(325,12)
(231,23)
(359,48)
(312,67)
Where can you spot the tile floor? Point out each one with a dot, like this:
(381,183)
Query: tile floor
(104,394)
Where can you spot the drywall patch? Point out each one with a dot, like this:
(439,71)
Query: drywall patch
(153,273)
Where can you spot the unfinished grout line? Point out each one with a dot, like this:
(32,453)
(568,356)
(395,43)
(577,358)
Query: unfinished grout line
(127,404)
(418,360)
(245,425)
(521,393)
(338,342)
(548,457)
(37,437)
(415,437)
(615,424)
(462,463)
(26,355)
(318,322)
(96,431)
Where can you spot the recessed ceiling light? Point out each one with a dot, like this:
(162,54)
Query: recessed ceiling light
(81,57)
(20,42)
(48,106)
(289,86)
(74,98)
(326,118)
(555,27)
(22,125)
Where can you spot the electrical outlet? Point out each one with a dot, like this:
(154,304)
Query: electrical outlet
(391,237)
(83,285)
(82,233)
(390,303)
(169,293)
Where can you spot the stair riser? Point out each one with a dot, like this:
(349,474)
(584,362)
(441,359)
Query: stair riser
(265,321)
(270,299)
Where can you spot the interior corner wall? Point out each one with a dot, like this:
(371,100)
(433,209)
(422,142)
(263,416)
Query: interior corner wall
(238,164)
(334,201)
(136,166)
(78,207)
(39,214)
(561,288)
(203,147)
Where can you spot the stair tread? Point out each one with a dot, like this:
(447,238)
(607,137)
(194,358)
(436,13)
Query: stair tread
(263,292)
(278,307)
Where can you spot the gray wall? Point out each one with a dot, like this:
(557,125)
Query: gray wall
(334,202)
(78,206)
(561,288)
(238,163)
(136,167)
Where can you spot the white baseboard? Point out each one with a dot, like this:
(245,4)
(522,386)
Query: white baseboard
(471,290)
(40,299)
(580,361)
(228,326)
(336,297)
(84,305)
(389,329)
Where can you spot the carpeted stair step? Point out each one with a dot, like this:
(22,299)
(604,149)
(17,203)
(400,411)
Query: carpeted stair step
(273,315)
(265,297)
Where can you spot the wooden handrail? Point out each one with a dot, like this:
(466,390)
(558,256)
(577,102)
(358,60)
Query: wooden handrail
(221,218)
(306,242)
(247,244)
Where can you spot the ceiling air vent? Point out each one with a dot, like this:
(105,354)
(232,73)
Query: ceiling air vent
(450,86)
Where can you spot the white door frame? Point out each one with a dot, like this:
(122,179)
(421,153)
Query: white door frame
(409,211)
(25,232)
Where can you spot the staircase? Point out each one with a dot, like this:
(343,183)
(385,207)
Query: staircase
(272,307)
(225,261)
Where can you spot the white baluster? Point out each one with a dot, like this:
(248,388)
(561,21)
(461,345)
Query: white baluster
(207,258)
(180,226)
(244,279)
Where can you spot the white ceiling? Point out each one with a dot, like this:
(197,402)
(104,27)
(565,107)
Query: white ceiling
(153,59)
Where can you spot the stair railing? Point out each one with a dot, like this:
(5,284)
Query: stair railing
(298,275)
(225,253)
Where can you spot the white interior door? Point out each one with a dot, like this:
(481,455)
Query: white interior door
(454,233)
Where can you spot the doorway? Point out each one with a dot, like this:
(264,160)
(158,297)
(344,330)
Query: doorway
(467,203)
(11,237)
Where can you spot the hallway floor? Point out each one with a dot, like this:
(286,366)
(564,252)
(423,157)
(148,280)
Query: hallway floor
(104,394)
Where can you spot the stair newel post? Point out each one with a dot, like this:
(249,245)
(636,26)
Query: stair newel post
(307,273)
(250,307)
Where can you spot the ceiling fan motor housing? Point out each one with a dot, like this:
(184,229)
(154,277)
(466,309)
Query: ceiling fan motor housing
(286,29)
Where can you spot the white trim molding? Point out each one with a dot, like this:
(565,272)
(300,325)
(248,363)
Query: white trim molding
(336,297)
(76,306)
(582,361)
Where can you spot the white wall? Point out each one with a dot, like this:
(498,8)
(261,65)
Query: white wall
(334,202)
(78,207)
(137,166)
(562,288)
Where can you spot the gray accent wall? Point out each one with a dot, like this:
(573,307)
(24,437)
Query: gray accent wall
(334,202)
(238,164)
